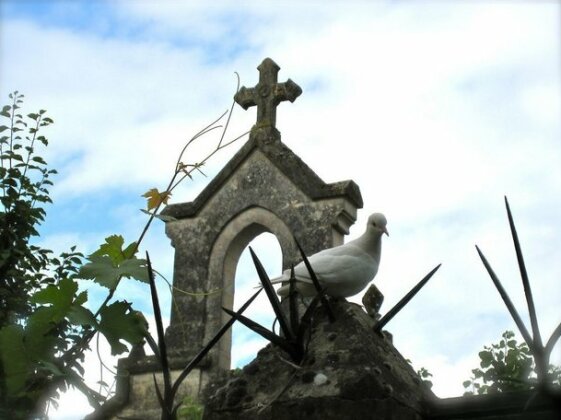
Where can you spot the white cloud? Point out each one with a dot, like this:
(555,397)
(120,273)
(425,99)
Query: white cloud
(436,110)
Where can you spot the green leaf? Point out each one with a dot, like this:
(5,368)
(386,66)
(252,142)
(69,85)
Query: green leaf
(60,296)
(104,272)
(486,358)
(130,250)
(78,315)
(40,341)
(52,368)
(81,298)
(118,322)
(15,363)
(113,248)
(38,159)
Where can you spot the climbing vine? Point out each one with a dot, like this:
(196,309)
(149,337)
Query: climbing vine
(46,325)
(43,316)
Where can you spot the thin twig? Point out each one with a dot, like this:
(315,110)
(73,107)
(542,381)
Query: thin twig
(200,134)
(177,289)
(188,173)
(288,362)
(231,109)
(102,363)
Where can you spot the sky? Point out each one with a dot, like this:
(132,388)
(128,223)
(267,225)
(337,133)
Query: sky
(437,110)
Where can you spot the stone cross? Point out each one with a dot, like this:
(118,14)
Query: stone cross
(267,94)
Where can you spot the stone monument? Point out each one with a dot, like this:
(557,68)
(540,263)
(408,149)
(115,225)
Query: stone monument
(265,187)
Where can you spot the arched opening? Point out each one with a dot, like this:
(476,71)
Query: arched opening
(246,343)
(259,224)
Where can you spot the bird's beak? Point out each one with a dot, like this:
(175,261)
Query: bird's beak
(386,232)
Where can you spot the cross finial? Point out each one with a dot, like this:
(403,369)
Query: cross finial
(267,94)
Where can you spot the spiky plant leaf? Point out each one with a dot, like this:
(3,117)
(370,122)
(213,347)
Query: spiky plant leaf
(158,392)
(506,299)
(305,322)
(315,280)
(272,295)
(525,279)
(405,300)
(209,346)
(283,343)
(161,339)
(293,303)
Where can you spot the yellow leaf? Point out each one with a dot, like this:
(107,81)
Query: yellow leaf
(155,198)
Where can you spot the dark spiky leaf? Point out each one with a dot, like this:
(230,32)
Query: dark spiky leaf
(506,299)
(552,341)
(272,295)
(158,392)
(525,280)
(293,302)
(306,320)
(174,411)
(160,331)
(281,342)
(315,281)
(209,346)
(405,300)
(153,345)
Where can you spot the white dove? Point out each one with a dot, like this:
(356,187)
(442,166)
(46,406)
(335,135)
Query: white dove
(344,270)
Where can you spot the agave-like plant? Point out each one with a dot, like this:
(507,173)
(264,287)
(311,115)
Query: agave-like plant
(541,352)
(292,338)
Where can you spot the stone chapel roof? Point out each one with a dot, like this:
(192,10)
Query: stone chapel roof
(294,168)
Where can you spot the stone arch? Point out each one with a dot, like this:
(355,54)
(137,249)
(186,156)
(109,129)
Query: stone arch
(224,257)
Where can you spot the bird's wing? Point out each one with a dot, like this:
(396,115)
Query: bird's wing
(330,264)
(334,267)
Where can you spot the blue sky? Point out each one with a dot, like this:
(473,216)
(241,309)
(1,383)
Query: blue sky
(435,109)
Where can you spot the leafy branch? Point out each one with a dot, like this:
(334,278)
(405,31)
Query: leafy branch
(45,327)
(111,263)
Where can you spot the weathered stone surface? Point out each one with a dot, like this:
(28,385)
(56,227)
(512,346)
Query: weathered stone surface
(372,301)
(135,394)
(349,372)
(264,188)
(267,94)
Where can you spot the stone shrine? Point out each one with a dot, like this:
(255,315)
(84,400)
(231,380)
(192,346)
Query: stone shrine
(265,187)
